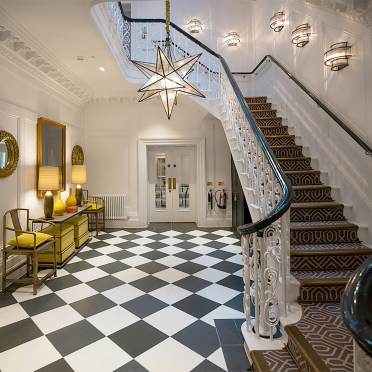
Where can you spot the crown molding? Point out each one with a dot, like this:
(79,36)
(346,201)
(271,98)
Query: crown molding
(27,54)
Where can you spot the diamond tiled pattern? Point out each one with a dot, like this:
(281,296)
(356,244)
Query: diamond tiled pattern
(145,298)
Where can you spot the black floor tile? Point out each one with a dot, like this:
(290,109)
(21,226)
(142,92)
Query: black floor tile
(18,333)
(235,358)
(41,304)
(185,237)
(200,337)
(127,245)
(185,245)
(144,306)
(223,255)
(192,283)
(121,255)
(236,303)
(212,237)
(189,267)
(148,283)
(105,236)
(158,237)
(63,282)
(92,305)
(152,267)
(207,366)
(228,267)
(233,282)
(138,338)
(6,299)
(156,245)
(217,245)
(188,255)
(132,237)
(89,254)
(114,267)
(105,283)
(154,255)
(196,305)
(98,244)
(228,332)
(58,366)
(74,337)
(132,366)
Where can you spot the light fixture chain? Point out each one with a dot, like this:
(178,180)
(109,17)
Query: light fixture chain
(167,16)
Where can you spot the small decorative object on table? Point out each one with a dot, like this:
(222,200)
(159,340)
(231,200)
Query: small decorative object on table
(59,206)
(79,177)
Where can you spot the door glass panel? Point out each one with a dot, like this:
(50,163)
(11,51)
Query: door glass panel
(161,183)
(184,196)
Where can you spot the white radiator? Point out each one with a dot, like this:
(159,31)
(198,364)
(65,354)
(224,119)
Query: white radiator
(115,206)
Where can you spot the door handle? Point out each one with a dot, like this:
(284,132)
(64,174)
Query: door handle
(170,184)
(174,183)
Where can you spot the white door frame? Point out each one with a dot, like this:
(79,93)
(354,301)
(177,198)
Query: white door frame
(143,202)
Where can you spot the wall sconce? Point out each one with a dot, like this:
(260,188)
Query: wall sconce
(277,21)
(232,39)
(194,26)
(338,56)
(301,35)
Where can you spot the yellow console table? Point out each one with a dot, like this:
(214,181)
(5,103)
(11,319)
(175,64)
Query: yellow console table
(71,232)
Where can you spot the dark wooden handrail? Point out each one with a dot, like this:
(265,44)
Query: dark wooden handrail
(367,148)
(285,202)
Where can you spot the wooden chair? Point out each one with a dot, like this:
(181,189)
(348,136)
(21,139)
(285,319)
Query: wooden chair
(27,242)
(96,213)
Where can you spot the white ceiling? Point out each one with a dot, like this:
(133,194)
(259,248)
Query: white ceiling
(67,30)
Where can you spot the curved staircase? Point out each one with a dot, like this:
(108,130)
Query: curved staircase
(325,250)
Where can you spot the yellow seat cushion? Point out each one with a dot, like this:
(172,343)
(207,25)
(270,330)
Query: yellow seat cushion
(95,207)
(27,240)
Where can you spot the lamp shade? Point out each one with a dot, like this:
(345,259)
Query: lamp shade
(79,174)
(48,178)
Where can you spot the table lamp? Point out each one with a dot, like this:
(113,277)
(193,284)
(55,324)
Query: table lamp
(79,177)
(48,181)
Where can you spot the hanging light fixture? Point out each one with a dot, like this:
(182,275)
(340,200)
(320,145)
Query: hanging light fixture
(194,26)
(232,39)
(338,56)
(277,21)
(168,78)
(301,35)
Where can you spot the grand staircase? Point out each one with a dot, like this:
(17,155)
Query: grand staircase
(325,250)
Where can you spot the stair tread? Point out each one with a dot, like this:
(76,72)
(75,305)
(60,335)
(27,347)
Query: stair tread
(310,248)
(285,146)
(276,360)
(295,158)
(321,275)
(310,187)
(302,171)
(263,110)
(320,204)
(279,135)
(321,224)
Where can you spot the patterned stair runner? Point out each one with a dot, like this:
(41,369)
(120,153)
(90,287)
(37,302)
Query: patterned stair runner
(325,250)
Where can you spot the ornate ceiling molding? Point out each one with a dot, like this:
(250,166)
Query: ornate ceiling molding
(26,53)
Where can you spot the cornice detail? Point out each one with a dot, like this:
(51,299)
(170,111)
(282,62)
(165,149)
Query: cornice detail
(25,53)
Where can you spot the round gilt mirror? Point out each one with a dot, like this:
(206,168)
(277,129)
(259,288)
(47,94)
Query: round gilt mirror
(77,157)
(9,154)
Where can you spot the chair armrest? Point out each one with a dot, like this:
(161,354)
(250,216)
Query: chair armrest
(42,222)
(20,232)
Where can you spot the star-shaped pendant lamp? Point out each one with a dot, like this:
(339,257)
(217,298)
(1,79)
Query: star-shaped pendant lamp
(168,78)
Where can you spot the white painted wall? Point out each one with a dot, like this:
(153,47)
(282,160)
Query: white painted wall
(348,92)
(112,132)
(21,103)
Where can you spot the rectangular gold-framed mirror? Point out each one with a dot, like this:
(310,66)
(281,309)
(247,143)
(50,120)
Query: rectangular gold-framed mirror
(51,149)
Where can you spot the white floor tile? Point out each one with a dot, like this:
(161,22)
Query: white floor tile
(222,312)
(135,261)
(171,261)
(139,249)
(101,356)
(116,240)
(232,249)
(211,274)
(87,249)
(120,233)
(238,259)
(25,293)
(170,320)
(218,293)
(239,273)
(58,318)
(197,233)
(112,320)
(90,274)
(142,241)
(76,293)
(12,313)
(100,260)
(202,249)
(123,293)
(171,241)
(206,260)
(170,250)
(171,233)
(199,240)
(61,273)
(169,355)
(108,249)
(170,294)
(170,275)
(145,233)
(75,259)
(228,240)
(30,356)
(222,232)
(130,275)
(218,359)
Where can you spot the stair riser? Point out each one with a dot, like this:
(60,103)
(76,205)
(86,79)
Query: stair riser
(342,235)
(304,179)
(332,262)
(274,131)
(324,293)
(264,114)
(274,122)
(295,164)
(256,99)
(288,152)
(314,195)
(259,106)
(317,214)
(281,141)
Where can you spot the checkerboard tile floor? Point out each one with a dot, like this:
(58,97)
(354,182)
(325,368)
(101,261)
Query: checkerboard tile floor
(129,301)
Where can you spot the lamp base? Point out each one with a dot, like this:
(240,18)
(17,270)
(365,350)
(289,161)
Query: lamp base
(48,205)
(79,195)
